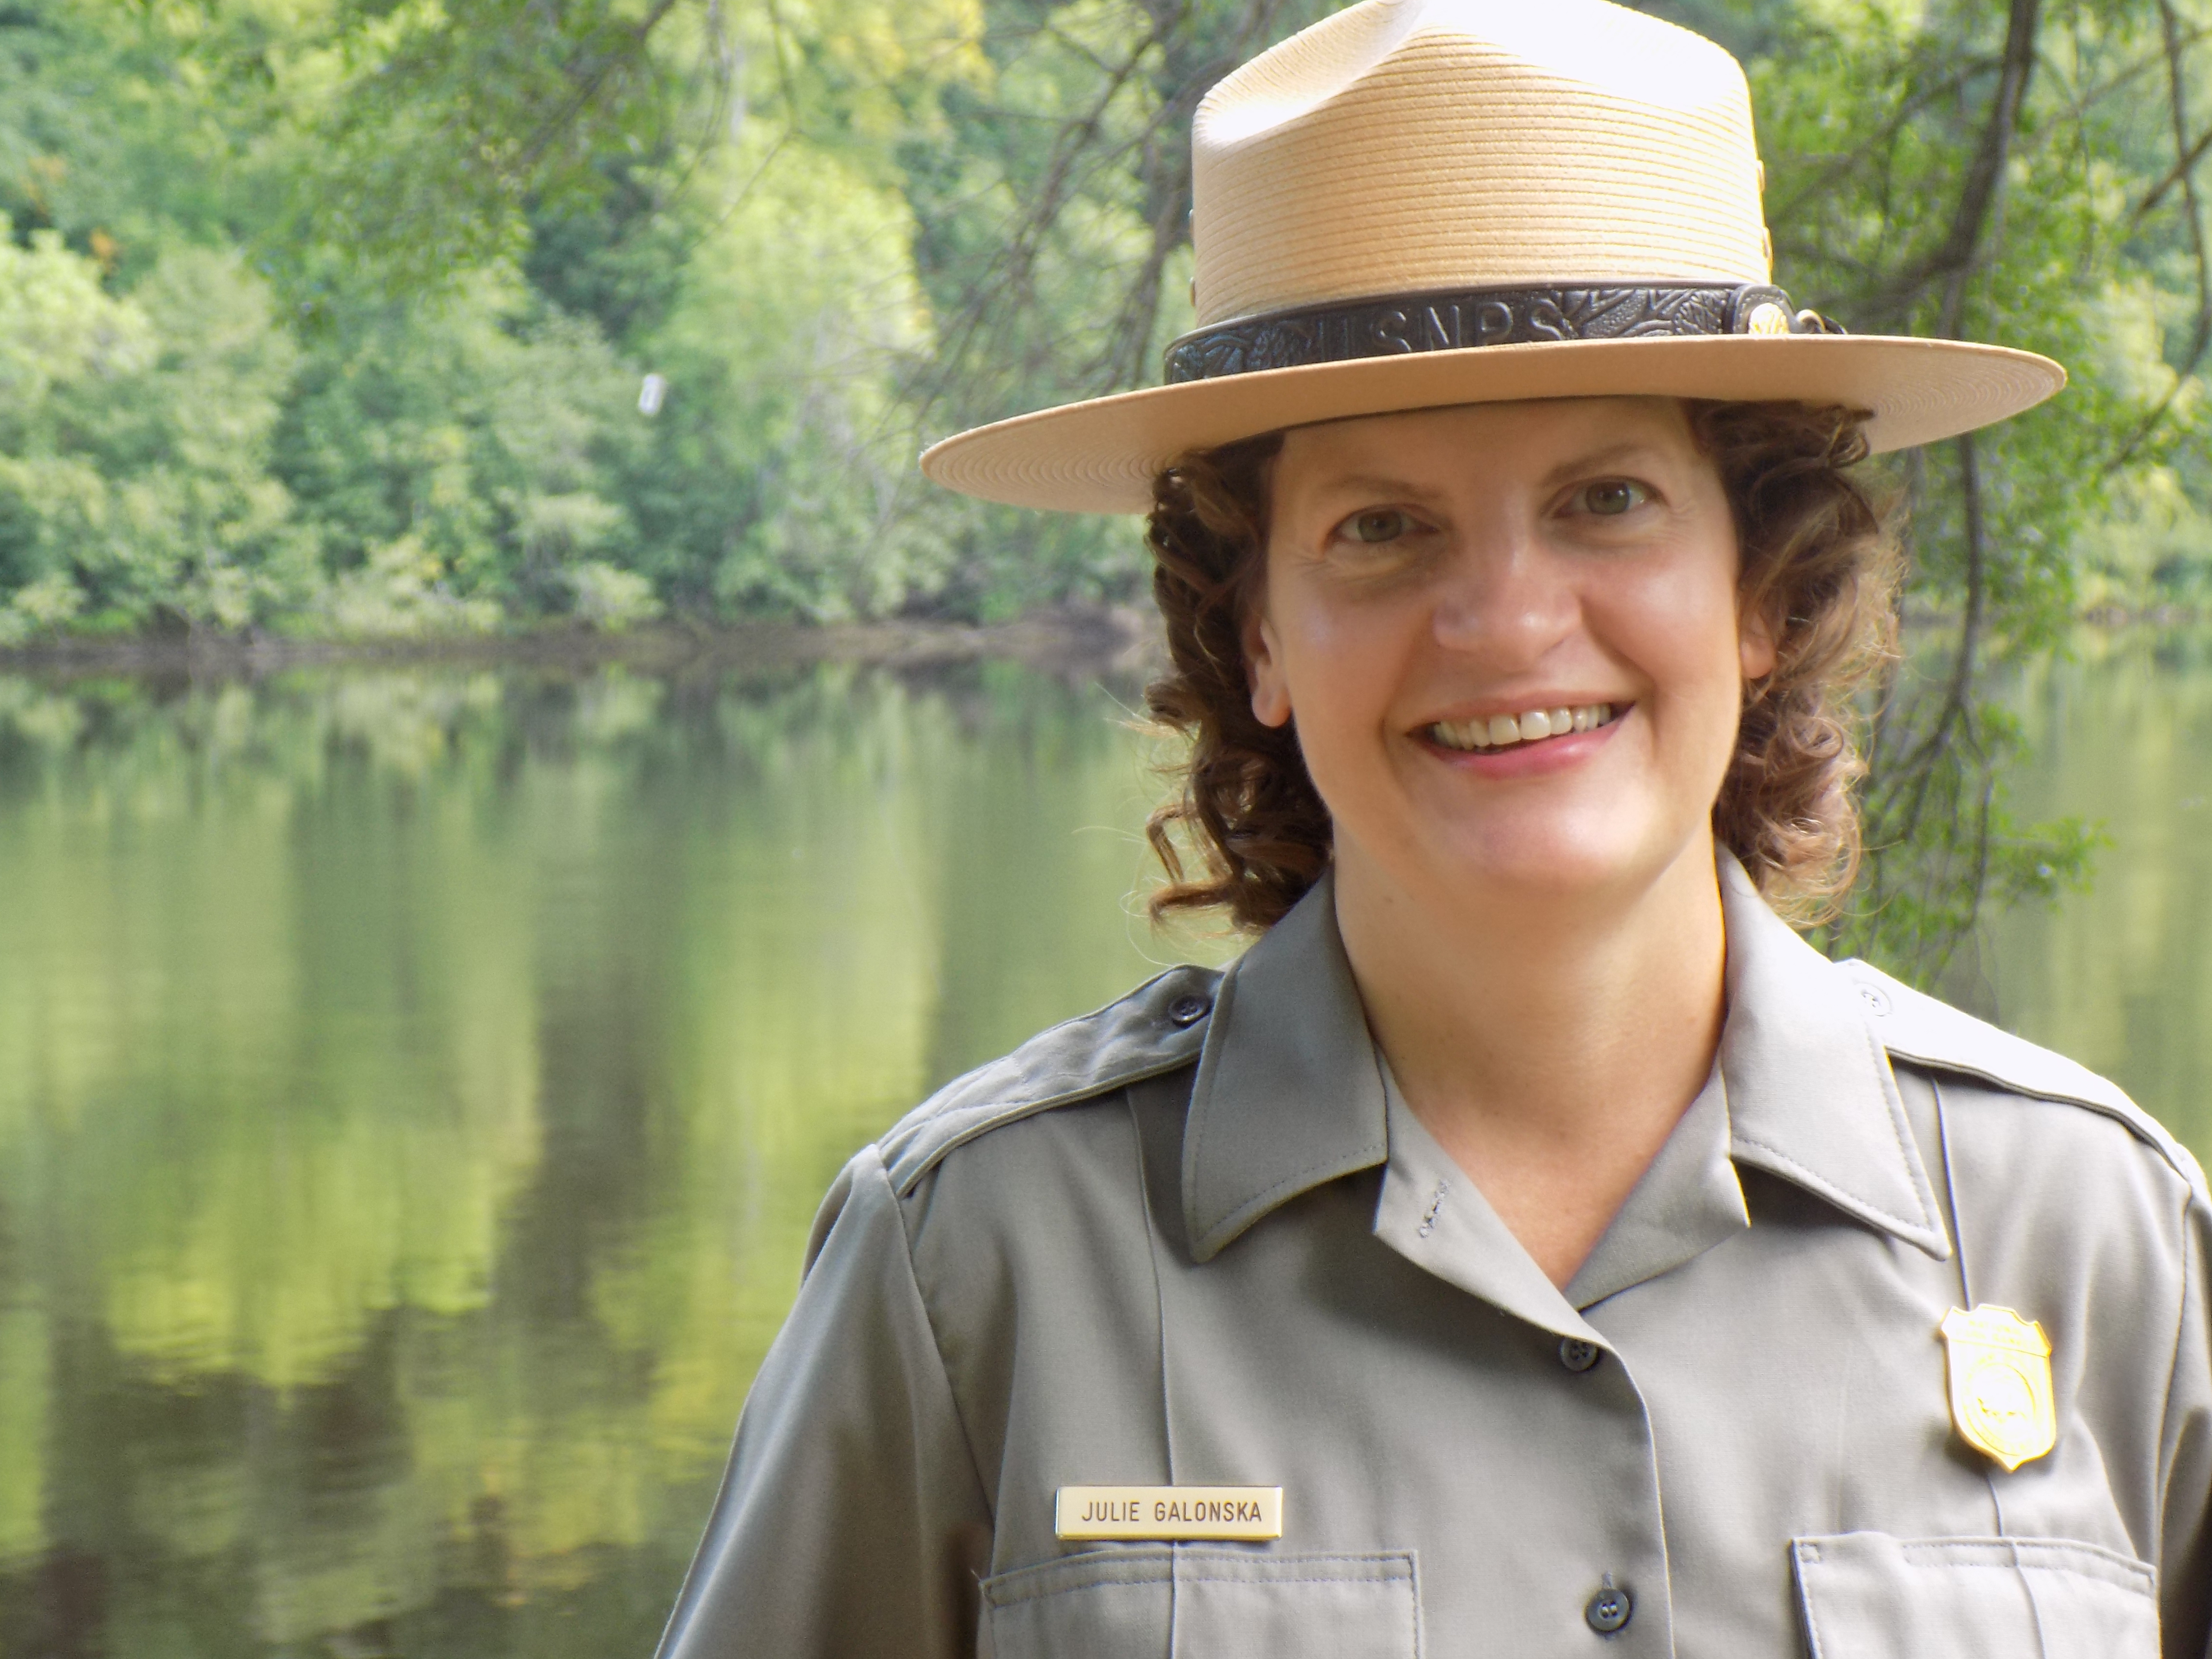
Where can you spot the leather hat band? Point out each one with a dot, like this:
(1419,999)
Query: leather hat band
(1454,320)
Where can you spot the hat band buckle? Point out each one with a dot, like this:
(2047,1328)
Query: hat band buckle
(1457,319)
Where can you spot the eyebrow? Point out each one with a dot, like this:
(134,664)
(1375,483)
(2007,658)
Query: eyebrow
(1372,484)
(1597,460)
(1589,461)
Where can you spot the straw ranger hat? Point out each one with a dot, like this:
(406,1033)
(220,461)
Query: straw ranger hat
(1421,203)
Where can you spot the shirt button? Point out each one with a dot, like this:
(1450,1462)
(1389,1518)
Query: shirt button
(1609,1609)
(1188,1011)
(1577,1355)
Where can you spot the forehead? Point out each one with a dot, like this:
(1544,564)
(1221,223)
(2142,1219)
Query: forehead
(1542,433)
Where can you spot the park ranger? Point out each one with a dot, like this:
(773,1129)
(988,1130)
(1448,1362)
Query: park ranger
(1530,1246)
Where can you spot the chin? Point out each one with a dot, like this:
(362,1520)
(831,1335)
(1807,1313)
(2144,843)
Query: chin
(1555,862)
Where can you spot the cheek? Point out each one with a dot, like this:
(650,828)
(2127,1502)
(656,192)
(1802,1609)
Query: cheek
(1339,664)
(1679,627)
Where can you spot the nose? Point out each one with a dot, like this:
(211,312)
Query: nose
(1504,598)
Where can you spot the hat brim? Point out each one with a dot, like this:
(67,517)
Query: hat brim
(1102,455)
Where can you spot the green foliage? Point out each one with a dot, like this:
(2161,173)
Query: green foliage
(393,277)
(458,448)
(437,125)
(779,475)
(1967,171)
(134,478)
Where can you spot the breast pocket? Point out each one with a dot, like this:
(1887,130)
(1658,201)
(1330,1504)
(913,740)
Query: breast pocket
(1192,1603)
(1868,1595)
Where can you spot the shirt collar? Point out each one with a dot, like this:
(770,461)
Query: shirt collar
(1290,1094)
(1432,1214)
(1811,1096)
(1688,1201)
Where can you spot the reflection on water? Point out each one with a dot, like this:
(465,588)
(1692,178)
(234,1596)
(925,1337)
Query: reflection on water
(2120,977)
(415,1086)
(414,1090)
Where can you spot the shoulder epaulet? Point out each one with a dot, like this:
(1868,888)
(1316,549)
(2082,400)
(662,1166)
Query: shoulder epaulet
(1915,1026)
(1159,1027)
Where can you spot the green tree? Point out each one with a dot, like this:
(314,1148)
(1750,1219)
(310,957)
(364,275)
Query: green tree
(1967,172)
(134,481)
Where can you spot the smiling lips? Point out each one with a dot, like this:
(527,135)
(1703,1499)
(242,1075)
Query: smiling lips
(1503,730)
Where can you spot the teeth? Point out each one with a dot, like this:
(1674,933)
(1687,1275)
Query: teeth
(1501,730)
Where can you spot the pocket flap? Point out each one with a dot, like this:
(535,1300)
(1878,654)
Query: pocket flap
(1868,1596)
(1208,1604)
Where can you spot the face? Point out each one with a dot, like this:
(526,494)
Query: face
(1508,636)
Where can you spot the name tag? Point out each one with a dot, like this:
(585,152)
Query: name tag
(1168,1512)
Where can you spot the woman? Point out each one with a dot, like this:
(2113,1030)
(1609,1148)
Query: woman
(1530,1245)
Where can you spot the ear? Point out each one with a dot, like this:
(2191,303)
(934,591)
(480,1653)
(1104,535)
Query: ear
(1263,668)
(1756,636)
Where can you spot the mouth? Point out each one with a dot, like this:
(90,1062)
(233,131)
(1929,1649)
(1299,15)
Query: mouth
(1519,731)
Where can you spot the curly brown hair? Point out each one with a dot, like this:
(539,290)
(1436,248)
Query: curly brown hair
(1820,557)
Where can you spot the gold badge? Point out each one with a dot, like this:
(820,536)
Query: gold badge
(2000,1370)
(1246,1512)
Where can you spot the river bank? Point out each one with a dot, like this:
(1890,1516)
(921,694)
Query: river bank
(1069,640)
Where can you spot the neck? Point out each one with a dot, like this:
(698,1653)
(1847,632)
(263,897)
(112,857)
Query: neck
(1549,1046)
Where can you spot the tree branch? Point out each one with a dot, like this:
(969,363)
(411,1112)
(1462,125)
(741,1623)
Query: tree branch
(1842,166)
(2185,173)
(627,49)
(2181,170)
(1016,269)
(1956,260)
(1985,179)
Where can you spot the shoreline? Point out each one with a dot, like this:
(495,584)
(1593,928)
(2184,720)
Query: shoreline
(1071,640)
(1067,640)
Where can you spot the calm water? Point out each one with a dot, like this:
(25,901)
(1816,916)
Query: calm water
(2120,977)
(415,1086)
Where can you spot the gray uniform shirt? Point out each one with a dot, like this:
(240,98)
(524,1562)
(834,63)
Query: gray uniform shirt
(1196,1239)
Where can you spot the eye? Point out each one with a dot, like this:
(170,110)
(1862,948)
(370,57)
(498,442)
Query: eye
(1375,526)
(1611,497)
